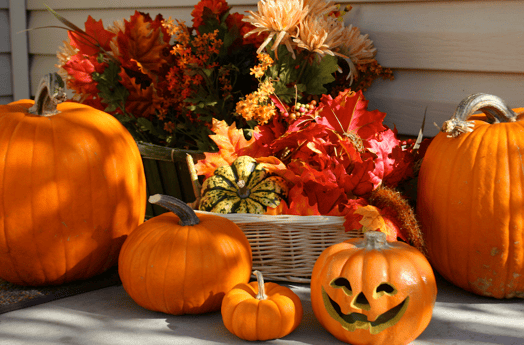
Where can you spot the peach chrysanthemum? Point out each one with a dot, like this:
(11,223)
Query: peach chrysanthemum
(321,35)
(319,8)
(279,18)
(358,48)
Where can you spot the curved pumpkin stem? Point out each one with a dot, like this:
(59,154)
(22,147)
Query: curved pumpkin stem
(494,108)
(50,92)
(261,295)
(184,212)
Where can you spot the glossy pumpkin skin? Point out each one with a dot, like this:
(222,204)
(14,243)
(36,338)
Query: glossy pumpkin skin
(73,188)
(177,269)
(471,209)
(251,317)
(373,292)
(243,187)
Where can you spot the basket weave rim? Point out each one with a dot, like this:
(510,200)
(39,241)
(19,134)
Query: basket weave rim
(280,218)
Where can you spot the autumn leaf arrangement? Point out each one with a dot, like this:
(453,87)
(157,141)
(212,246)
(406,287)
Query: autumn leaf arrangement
(283,84)
(167,81)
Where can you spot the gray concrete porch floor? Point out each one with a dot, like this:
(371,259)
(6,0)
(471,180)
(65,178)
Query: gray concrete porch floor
(109,316)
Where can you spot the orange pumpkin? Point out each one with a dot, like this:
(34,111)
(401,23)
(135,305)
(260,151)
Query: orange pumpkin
(261,311)
(370,291)
(181,263)
(469,201)
(73,188)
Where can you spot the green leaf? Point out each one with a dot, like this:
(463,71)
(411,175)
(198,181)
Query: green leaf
(317,75)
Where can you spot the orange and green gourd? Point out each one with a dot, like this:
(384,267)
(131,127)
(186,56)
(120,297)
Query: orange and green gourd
(245,186)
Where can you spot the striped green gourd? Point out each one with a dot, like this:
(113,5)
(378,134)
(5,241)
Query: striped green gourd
(245,186)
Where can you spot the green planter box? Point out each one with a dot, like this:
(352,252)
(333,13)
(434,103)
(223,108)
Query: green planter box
(167,173)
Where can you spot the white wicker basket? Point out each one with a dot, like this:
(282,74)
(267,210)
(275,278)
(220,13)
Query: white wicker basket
(286,247)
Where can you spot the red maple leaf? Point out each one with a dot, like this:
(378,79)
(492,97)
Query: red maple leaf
(97,37)
(81,67)
(348,113)
(140,100)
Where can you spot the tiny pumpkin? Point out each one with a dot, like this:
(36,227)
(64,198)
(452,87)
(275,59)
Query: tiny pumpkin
(469,200)
(183,263)
(245,186)
(261,311)
(370,291)
(73,188)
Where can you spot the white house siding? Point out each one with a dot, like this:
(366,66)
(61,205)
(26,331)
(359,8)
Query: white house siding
(6,90)
(440,51)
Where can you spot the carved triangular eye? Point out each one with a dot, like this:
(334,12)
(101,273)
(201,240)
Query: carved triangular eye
(384,289)
(342,283)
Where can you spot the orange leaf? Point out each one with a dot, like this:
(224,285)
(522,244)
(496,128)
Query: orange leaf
(141,46)
(372,220)
(229,140)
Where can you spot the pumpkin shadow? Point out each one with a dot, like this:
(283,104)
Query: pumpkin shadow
(210,327)
(460,315)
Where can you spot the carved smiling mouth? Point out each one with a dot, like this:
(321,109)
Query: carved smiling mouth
(354,321)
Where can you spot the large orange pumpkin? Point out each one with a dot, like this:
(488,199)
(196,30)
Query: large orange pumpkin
(183,263)
(72,188)
(470,198)
(373,292)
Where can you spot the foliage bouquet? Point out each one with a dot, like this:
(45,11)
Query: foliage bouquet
(283,84)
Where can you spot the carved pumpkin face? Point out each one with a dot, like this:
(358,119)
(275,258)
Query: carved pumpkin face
(369,291)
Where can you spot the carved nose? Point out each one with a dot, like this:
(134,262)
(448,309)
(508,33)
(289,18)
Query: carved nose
(361,302)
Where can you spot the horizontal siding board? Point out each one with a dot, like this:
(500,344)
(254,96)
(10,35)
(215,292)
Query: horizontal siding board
(5,75)
(5,41)
(82,4)
(4,4)
(406,98)
(486,36)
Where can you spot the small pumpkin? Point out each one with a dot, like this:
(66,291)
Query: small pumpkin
(370,291)
(245,186)
(183,263)
(469,200)
(73,188)
(261,311)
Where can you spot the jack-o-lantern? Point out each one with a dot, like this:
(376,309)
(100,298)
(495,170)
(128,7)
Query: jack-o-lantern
(370,291)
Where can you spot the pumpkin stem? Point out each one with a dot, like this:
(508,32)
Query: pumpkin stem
(375,240)
(184,212)
(261,295)
(243,191)
(492,106)
(50,92)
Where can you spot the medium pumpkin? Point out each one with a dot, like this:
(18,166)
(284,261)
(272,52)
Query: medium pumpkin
(370,291)
(261,311)
(243,187)
(469,201)
(73,188)
(181,263)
